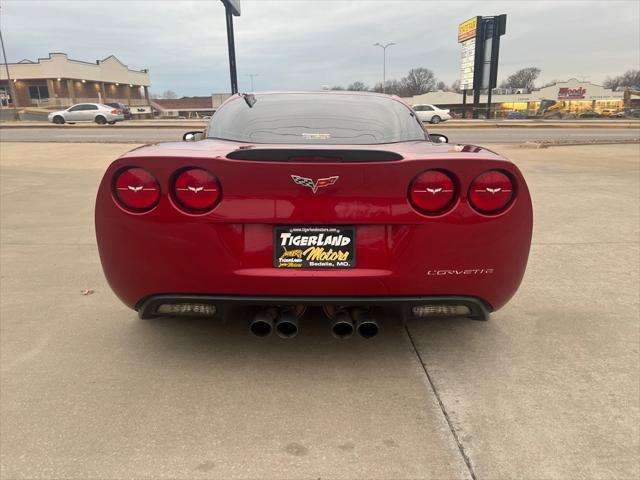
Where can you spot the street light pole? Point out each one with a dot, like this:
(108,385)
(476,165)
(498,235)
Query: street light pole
(12,89)
(251,75)
(384,62)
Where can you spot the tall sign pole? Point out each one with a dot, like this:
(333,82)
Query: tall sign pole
(232,8)
(480,39)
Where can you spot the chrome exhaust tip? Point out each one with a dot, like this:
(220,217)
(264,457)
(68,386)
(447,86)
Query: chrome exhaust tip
(342,326)
(366,325)
(287,324)
(262,323)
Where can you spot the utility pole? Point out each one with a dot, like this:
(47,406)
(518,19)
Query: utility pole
(251,76)
(12,89)
(384,62)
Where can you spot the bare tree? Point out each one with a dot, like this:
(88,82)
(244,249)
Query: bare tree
(455,86)
(418,81)
(523,78)
(169,94)
(358,87)
(337,87)
(549,83)
(631,79)
(441,86)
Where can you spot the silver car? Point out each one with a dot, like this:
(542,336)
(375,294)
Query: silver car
(87,112)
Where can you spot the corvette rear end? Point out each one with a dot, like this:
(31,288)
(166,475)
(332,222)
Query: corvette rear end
(319,218)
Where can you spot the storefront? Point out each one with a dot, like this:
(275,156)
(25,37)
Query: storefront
(571,99)
(58,81)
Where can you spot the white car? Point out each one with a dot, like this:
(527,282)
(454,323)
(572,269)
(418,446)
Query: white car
(87,112)
(431,113)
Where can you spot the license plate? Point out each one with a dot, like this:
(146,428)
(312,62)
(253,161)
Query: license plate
(314,247)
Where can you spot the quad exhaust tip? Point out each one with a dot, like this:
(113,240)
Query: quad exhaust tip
(263,322)
(366,325)
(344,323)
(287,324)
(342,326)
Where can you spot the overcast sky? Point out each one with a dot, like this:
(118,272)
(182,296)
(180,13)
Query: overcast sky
(304,44)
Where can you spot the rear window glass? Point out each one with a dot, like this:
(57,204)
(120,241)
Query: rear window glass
(316,119)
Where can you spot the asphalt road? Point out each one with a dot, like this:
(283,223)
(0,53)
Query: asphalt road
(548,388)
(458,135)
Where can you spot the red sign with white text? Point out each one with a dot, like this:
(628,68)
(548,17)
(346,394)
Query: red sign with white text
(566,93)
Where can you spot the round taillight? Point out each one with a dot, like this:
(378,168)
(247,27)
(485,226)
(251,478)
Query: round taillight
(196,190)
(136,189)
(432,192)
(491,192)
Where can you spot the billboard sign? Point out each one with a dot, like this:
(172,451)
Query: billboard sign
(467,64)
(467,33)
(479,38)
(467,30)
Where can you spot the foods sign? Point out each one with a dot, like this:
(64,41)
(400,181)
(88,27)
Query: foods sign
(467,30)
(566,93)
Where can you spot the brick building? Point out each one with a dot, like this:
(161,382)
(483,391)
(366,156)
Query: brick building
(58,81)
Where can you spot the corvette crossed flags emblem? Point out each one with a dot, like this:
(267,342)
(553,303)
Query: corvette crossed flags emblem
(314,186)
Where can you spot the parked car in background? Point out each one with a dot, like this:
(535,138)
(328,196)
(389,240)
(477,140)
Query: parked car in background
(634,113)
(517,115)
(431,113)
(87,112)
(589,114)
(126,111)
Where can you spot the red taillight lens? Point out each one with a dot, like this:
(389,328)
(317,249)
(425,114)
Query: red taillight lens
(491,192)
(136,189)
(432,192)
(114,111)
(196,190)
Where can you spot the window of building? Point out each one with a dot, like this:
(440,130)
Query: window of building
(38,92)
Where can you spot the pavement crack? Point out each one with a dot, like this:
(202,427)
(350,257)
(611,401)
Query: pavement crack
(461,449)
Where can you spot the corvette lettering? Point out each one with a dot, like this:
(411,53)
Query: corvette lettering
(469,271)
(314,185)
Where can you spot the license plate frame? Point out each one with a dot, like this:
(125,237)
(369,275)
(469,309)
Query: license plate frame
(325,247)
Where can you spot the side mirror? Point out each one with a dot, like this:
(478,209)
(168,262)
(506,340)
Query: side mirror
(438,138)
(193,136)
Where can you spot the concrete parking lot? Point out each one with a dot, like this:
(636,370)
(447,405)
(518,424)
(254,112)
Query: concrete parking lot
(549,388)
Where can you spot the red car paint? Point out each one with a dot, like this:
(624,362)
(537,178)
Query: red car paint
(229,250)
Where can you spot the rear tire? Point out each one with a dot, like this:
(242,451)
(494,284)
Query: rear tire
(435,119)
(58,120)
(100,120)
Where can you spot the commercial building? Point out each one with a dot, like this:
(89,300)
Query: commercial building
(188,107)
(576,97)
(58,81)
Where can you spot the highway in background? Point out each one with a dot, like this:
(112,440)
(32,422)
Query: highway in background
(473,135)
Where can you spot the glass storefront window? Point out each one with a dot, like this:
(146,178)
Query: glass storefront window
(39,92)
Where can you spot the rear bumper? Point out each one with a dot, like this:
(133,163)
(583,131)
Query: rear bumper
(148,308)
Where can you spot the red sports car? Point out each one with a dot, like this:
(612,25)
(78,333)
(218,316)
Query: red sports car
(335,199)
